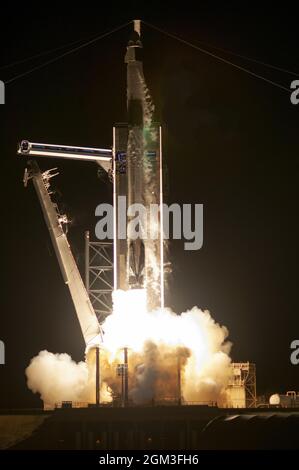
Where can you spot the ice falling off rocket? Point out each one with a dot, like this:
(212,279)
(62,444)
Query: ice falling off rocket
(138,263)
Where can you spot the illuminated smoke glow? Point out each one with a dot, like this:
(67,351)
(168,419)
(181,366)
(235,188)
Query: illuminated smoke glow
(157,341)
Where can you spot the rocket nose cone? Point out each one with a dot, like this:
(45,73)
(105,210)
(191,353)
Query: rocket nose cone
(137,26)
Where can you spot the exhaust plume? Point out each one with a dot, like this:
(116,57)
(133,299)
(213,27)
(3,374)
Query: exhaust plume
(169,355)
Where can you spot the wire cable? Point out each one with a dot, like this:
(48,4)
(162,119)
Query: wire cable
(92,41)
(250,59)
(204,51)
(41,54)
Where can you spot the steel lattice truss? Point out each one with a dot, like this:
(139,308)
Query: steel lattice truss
(99,276)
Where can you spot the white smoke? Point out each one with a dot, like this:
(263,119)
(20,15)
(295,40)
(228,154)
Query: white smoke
(157,342)
(56,377)
(157,339)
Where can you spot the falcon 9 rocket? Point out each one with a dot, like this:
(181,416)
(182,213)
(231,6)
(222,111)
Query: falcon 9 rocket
(137,170)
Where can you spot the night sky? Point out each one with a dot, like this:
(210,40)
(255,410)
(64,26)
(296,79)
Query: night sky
(230,142)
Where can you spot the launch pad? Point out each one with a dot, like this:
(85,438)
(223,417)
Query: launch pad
(134,165)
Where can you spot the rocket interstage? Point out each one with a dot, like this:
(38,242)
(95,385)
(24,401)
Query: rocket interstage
(138,263)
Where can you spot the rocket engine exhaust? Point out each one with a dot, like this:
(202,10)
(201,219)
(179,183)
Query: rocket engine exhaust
(155,342)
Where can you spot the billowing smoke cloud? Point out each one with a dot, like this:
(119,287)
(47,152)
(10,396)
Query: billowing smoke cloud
(56,377)
(161,341)
(170,357)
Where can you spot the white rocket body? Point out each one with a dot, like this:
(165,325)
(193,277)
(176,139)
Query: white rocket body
(138,262)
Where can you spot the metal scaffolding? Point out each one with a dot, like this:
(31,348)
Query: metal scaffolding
(242,385)
(99,276)
(250,385)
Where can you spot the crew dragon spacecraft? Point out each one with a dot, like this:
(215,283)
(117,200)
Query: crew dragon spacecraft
(135,163)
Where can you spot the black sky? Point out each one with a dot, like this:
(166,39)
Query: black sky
(230,142)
